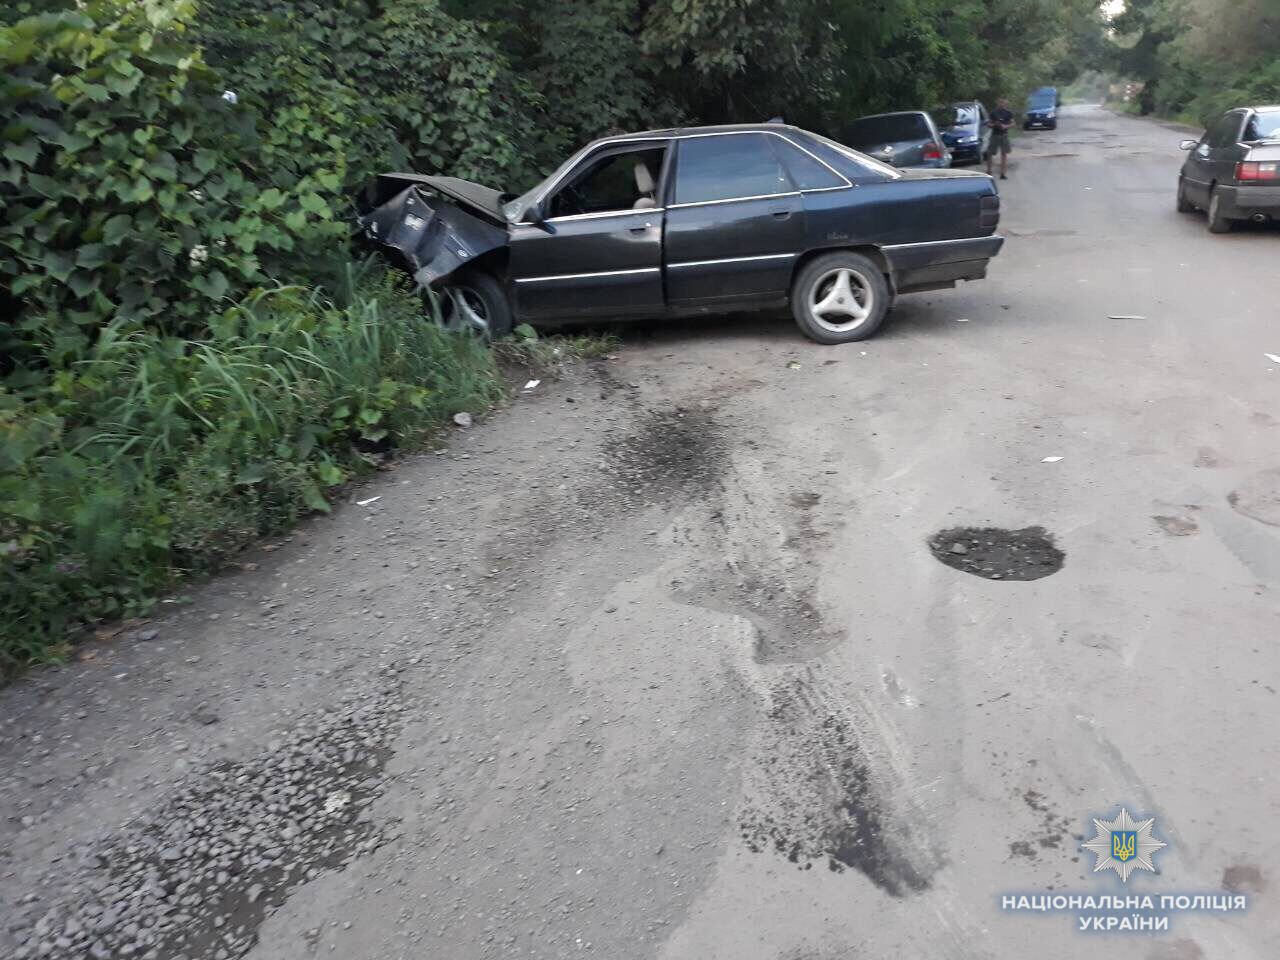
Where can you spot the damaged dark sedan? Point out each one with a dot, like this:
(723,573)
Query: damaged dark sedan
(690,221)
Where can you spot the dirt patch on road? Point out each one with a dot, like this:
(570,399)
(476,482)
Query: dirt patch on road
(818,802)
(196,876)
(673,450)
(998,554)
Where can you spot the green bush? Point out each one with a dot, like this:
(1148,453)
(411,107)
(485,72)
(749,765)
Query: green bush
(155,457)
(128,184)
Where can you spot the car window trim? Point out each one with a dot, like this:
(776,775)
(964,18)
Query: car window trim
(669,140)
(597,215)
(759,196)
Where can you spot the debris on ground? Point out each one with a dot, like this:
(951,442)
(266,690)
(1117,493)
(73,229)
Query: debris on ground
(1272,357)
(462,419)
(365,503)
(793,364)
(532,384)
(1125,316)
(1051,459)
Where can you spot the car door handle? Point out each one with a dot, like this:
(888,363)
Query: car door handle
(641,229)
(780,213)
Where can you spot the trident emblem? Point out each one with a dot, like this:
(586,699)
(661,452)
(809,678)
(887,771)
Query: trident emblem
(1124,844)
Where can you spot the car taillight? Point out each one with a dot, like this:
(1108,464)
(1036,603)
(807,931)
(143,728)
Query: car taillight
(933,152)
(1253,171)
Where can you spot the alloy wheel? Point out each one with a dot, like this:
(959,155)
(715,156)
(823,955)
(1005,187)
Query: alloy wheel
(464,309)
(841,300)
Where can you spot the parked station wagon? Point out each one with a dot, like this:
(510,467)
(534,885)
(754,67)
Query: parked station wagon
(689,221)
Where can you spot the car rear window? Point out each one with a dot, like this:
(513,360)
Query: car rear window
(728,167)
(1263,126)
(807,172)
(891,128)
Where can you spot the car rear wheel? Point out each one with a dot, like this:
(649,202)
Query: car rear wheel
(839,298)
(1184,205)
(1217,222)
(476,302)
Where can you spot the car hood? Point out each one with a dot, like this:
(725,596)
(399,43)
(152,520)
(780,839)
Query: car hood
(433,226)
(474,197)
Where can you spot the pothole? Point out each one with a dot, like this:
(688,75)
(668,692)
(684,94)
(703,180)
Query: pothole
(998,554)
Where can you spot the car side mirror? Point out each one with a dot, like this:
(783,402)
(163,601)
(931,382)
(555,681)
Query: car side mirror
(1188,144)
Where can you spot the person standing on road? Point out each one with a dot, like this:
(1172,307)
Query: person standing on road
(1001,121)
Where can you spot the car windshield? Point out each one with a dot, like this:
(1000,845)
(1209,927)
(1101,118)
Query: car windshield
(959,115)
(890,128)
(1263,126)
(1041,103)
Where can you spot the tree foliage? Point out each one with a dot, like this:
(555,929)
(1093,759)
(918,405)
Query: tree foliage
(1196,58)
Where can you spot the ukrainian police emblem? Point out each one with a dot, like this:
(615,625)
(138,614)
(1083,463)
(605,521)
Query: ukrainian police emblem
(1124,845)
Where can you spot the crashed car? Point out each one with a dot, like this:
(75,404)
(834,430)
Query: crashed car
(691,221)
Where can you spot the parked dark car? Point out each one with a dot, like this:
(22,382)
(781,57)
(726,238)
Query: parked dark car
(907,139)
(1042,109)
(964,130)
(691,221)
(1233,171)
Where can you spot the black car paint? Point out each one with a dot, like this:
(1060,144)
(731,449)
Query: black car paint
(930,228)
(1210,168)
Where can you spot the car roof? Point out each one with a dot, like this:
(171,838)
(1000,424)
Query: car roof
(1273,108)
(695,131)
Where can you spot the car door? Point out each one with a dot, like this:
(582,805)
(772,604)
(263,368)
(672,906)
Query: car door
(1197,171)
(734,222)
(1225,151)
(593,247)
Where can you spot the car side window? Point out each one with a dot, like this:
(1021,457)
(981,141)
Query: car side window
(728,167)
(619,181)
(807,172)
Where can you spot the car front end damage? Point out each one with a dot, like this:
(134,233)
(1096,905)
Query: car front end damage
(432,227)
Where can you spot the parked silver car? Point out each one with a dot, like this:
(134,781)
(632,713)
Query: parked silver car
(905,139)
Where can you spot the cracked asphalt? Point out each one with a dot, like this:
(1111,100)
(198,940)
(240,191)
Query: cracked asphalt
(672,670)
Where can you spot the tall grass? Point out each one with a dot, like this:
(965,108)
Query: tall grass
(156,458)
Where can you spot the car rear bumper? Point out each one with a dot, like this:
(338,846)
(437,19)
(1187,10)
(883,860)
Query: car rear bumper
(968,151)
(1241,203)
(940,263)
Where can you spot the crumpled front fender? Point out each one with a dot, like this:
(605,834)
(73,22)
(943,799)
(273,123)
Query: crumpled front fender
(428,236)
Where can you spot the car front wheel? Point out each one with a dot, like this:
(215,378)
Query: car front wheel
(839,298)
(1184,205)
(1217,222)
(476,302)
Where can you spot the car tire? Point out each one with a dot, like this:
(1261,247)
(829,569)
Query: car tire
(851,291)
(476,301)
(1217,222)
(1184,205)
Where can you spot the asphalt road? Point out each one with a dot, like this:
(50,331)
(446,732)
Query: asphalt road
(658,663)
